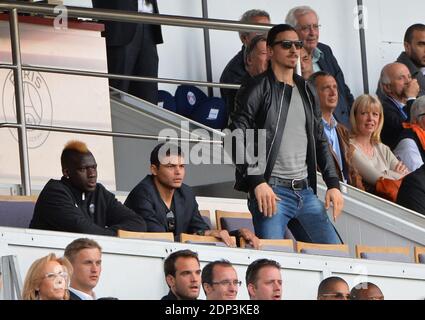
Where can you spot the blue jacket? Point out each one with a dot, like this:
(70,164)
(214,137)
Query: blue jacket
(329,64)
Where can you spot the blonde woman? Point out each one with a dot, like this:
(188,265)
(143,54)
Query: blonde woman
(372,158)
(48,279)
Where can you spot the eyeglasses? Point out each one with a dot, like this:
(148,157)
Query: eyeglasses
(228,283)
(337,295)
(171,221)
(287,44)
(54,276)
(308,27)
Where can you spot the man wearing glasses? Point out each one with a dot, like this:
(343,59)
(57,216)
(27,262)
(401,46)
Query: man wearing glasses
(333,288)
(220,281)
(168,205)
(319,57)
(279,105)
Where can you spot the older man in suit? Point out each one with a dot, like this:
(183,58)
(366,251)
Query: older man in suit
(131,47)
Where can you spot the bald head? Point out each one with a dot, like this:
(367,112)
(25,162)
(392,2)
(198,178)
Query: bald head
(333,288)
(366,291)
(394,81)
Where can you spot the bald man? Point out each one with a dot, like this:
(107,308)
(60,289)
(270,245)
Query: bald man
(366,291)
(399,92)
(333,288)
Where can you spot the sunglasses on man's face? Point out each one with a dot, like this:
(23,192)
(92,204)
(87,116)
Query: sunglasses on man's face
(287,44)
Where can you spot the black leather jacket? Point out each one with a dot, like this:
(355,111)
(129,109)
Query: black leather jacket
(262,103)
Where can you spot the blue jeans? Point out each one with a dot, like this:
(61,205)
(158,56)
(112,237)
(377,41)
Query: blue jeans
(309,220)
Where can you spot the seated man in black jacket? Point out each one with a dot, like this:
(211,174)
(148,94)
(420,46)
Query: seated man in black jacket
(168,205)
(76,203)
(412,191)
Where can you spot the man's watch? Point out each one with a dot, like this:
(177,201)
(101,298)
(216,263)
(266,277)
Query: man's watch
(200,232)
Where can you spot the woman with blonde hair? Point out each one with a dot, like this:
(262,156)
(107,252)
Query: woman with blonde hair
(48,279)
(373,159)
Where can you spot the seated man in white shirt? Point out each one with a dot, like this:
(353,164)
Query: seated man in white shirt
(411,146)
(85,256)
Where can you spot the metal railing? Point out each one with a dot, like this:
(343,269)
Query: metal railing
(113,15)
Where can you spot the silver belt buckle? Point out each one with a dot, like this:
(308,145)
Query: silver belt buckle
(293,185)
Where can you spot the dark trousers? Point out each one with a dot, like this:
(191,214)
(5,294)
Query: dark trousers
(138,58)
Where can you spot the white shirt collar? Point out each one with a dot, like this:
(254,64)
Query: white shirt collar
(83,295)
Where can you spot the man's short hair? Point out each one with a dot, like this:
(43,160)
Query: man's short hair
(294,13)
(247,18)
(251,46)
(318,74)
(251,275)
(273,32)
(77,245)
(418,108)
(408,36)
(166,149)
(170,261)
(355,292)
(207,271)
(327,284)
(73,150)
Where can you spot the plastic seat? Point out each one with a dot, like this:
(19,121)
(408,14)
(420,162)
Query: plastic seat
(394,254)
(188,98)
(335,250)
(166,100)
(160,236)
(206,240)
(281,245)
(212,113)
(16,211)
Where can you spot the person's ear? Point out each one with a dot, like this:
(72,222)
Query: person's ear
(65,173)
(407,47)
(154,169)
(251,289)
(207,288)
(170,280)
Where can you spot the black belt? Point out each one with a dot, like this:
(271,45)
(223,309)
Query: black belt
(296,185)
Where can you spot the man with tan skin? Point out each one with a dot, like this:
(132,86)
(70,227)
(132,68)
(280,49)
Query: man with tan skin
(168,205)
(183,275)
(85,256)
(414,54)
(399,92)
(318,56)
(333,288)
(366,291)
(263,280)
(281,187)
(220,281)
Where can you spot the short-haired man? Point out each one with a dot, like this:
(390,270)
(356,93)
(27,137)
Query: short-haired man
(333,288)
(77,203)
(263,280)
(220,281)
(183,275)
(398,92)
(366,291)
(337,134)
(414,54)
(306,22)
(235,69)
(411,146)
(85,256)
(281,187)
(168,205)
(411,194)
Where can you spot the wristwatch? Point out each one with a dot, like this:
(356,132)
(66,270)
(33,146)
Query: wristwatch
(200,232)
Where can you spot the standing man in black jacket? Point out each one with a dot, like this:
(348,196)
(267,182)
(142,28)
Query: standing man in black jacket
(77,203)
(131,47)
(320,57)
(279,105)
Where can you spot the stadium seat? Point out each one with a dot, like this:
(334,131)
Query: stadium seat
(420,255)
(230,221)
(16,211)
(166,100)
(204,240)
(188,98)
(281,245)
(206,215)
(394,254)
(159,236)
(335,250)
(212,113)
